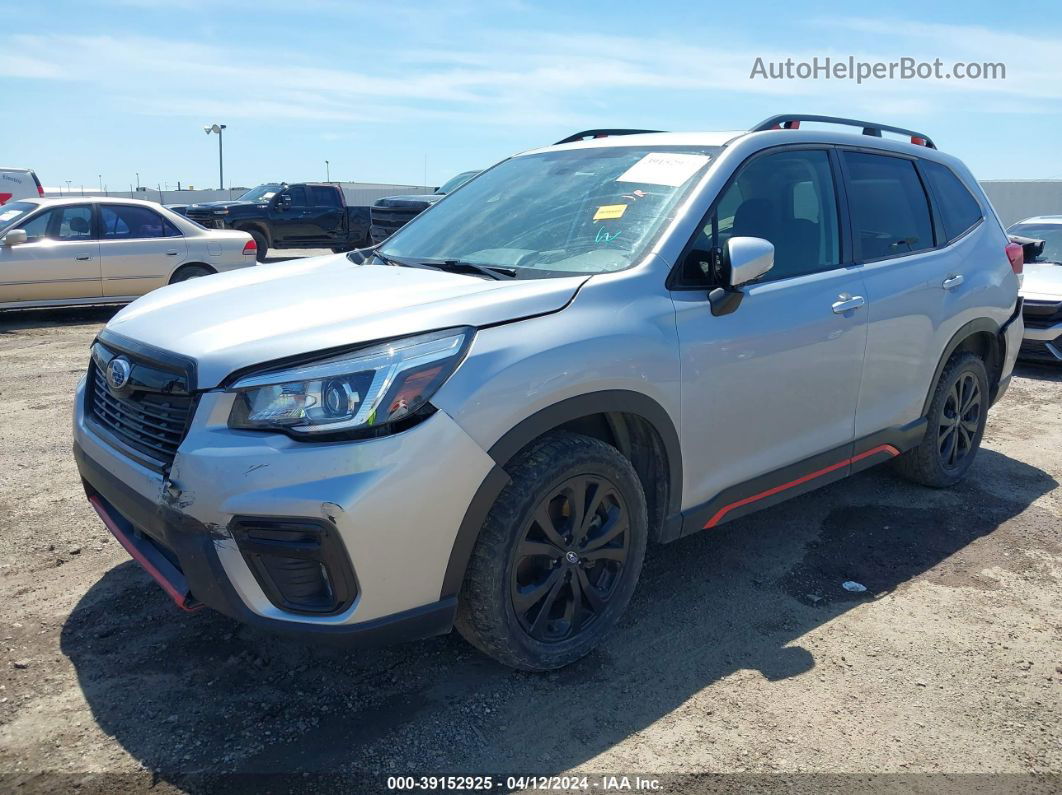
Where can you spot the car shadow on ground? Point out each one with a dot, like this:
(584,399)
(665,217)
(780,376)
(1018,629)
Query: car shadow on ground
(22,319)
(192,696)
(1038,371)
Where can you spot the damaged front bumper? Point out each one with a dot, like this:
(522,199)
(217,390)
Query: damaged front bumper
(373,515)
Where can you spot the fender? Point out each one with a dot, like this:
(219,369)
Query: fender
(262,229)
(960,336)
(539,423)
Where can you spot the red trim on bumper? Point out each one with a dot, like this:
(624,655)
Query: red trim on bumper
(722,512)
(183,599)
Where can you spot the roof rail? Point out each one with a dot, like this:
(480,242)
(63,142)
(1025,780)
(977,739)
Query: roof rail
(590,134)
(791,121)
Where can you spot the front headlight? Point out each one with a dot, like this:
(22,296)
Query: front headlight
(360,391)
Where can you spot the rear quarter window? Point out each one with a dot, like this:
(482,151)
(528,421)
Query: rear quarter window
(959,210)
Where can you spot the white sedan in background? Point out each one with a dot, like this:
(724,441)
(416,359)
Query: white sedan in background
(94,250)
(1041,237)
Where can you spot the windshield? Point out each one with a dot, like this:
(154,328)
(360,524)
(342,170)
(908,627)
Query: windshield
(456,182)
(14,213)
(1051,234)
(572,211)
(262,193)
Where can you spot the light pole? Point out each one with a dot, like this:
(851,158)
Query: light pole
(101,182)
(137,180)
(218,128)
(328,175)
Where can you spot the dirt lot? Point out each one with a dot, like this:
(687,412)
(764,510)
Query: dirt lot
(740,651)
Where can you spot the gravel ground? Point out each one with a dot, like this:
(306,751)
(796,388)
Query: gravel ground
(740,651)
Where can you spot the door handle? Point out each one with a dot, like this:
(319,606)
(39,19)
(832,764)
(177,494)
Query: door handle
(847,304)
(85,258)
(952,281)
(171,253)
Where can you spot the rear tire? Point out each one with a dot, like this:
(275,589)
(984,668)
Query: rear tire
(191,272)
(261,245)
(558,556)
(957,417)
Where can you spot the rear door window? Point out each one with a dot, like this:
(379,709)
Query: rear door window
(959,210)
(889,208)
(129,222)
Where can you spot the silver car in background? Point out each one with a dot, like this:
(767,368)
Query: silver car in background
(55,252)
(1042,287)
(616,340)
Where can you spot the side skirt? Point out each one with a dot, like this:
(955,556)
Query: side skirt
(801,477)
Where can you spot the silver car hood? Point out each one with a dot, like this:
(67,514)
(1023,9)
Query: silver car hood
(1042,281)
(233,320)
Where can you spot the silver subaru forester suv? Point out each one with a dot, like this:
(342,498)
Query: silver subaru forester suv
(482,422)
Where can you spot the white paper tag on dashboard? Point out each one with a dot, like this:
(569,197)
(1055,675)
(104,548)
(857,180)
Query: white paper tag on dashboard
(663,168)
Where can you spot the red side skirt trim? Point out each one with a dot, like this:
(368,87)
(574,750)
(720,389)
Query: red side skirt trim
(722,512)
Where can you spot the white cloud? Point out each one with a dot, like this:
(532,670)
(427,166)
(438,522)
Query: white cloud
(522,78)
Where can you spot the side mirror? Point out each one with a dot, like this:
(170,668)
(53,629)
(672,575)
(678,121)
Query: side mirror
(749,258)
(15,237)
(745,259)
(283,202)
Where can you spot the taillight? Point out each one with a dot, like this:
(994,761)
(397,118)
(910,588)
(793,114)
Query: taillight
(1016,255)
(918,140)
(5,197)
(250,247)
(40,191)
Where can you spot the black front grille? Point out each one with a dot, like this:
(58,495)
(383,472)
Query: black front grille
(390,219)
(150,414)
(1041,314)
(208,221)
(1034,350)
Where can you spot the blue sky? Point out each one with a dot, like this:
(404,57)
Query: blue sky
(120,86)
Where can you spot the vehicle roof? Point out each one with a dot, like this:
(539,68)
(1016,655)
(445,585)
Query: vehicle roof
(1041,219)
(57,200)
(13,168)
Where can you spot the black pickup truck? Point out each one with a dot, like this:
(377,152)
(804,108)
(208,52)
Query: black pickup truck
(278,215)
(393,212)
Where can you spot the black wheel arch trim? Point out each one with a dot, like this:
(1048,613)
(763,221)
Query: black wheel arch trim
(254,226)
(978,326)
(614,401)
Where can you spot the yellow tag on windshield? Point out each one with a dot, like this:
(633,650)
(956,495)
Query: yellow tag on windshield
(609,212)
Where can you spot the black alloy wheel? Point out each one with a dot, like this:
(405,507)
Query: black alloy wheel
(960,421)
(570,559)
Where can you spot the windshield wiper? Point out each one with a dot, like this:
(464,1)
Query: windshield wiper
(496,272)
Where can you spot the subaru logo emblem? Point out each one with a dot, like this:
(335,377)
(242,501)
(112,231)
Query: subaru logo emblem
(118,373)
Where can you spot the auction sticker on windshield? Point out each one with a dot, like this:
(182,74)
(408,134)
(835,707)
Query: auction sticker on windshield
(663,168)
(609,212)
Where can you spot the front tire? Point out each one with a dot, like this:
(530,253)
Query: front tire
(558,556)
(957,417)
(261,245)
